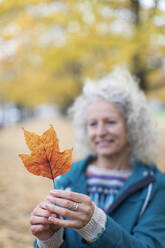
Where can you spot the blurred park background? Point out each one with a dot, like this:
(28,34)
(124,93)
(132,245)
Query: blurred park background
(47,51)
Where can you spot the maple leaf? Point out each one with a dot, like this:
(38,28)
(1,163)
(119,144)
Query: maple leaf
(46,159)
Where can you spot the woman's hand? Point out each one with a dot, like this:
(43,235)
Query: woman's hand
(39,224)
(64,200)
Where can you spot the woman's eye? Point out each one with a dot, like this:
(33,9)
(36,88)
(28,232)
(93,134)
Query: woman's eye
(111,122)
(92,124)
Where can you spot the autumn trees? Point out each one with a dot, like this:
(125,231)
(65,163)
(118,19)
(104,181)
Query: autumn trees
(49,48)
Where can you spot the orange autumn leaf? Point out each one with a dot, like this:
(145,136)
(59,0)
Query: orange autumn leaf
(46,159)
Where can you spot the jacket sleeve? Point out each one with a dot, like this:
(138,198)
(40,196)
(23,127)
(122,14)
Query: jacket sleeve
(148,233)
(35,244)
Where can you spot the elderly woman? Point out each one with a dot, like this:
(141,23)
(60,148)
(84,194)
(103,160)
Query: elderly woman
(114,197)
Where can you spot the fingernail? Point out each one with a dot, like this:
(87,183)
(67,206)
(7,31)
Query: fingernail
(49,198)
(47,205)
(53,191)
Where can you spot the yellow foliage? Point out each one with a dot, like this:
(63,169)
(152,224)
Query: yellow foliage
(57,50)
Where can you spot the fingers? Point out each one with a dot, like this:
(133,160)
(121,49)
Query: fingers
(62,207)
(78,219)
(40,211)
(35,229)
(39,223)
(62,202)
(61,211)
(85,204)
(59,203)
(66,223)
(77,197)
(34,220)
(39,215)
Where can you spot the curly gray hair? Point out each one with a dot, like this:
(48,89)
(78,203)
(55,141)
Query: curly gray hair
(122,89)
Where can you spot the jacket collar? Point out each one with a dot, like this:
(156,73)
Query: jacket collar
(130,190)
(140,178)
(139,172)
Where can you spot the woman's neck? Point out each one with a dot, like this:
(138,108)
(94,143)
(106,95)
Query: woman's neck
(113,163)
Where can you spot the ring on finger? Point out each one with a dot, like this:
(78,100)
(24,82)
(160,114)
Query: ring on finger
(74,206)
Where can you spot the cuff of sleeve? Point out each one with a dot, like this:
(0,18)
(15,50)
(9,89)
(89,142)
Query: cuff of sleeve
(55,241)
(95,227)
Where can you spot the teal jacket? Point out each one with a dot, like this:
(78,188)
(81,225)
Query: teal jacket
(136,219)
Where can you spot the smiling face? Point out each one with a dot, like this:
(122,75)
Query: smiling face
(106,128)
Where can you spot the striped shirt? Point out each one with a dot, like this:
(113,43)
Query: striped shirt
(104,184)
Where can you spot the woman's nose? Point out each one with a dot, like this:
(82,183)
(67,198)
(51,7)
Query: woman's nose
(101,130)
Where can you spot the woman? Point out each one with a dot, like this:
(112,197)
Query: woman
(115,196)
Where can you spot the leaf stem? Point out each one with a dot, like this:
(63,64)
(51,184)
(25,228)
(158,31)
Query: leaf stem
(51,174)
(50,169)
(54,183)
